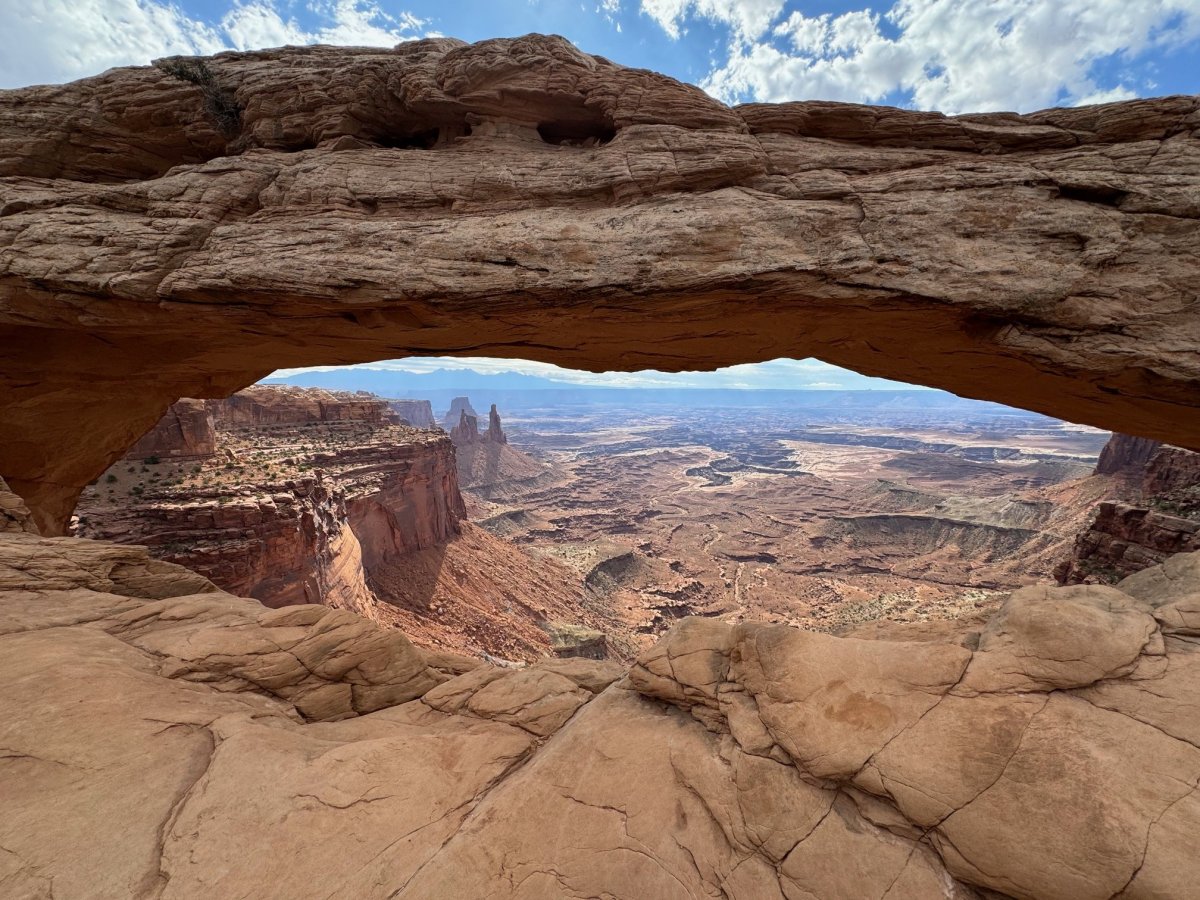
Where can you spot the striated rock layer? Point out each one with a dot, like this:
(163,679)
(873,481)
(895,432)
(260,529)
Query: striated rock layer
(417,413)
(194,225)
(300,536)
(1052,754)
(345,512)
(184,432)
(263,405)
(1159,516)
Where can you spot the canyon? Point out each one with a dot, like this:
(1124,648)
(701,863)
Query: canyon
(1156,512)
(815,509)
(319,497)
(163,738)
(607,523)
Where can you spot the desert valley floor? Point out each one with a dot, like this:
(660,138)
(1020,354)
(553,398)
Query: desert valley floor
(807,516)
(590,527)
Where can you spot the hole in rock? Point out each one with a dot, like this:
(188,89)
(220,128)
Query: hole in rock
(425,139)
(517,509)
(578,133)
(1099,194)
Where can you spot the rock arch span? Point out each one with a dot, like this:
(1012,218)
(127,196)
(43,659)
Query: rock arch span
(185,228)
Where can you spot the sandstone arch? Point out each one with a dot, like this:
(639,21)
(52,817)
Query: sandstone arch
(184,229)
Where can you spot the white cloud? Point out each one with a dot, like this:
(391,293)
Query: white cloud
(48,41)
(748,18)
(951,55)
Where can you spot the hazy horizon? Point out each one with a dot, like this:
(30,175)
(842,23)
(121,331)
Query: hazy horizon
(777,374)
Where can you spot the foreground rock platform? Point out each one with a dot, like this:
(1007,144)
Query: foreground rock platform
(191,226)
(164,739)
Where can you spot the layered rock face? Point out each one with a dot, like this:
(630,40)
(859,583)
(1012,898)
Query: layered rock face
(184,432)
(1051,754)
(222,218)
(265,405)
(1160,517)
(459,407)
(317,488)
(348,513)
(14,515)
(466,429)
(302,537)
(417,413)
(1125,454)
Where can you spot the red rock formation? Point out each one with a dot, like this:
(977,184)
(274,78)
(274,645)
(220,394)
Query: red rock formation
(466,432)
(538,178)
(184,432)
(1173,475)
(346,513)
(1126,454)
(459,407)
(417,413)
(265,405)
(295,523)
(1049,754)
(302,538)
(1123,539)
(1161,516)
(495,434)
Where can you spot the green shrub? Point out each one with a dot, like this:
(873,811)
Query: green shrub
(220,103)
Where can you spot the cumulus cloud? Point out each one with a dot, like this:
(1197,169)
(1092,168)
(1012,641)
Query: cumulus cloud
(49,41)
(748,18)
(950,55)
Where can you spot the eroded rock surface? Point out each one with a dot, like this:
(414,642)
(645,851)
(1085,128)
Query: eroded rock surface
(265,405)
(1158,516)
(288,514)
(184,432)
(313,496)
(1052,754)
(417,413)
(194,225)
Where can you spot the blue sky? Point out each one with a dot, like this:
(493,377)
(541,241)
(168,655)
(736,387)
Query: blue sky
(949,55)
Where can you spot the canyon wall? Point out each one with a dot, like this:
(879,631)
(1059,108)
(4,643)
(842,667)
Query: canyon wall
(1126,454)
(438,197)
(417,413)
(310,489)
(459,407)
(1159,516)
(184,432)
(262,405)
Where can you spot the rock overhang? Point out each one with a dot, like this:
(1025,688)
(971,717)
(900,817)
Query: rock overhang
(518,197)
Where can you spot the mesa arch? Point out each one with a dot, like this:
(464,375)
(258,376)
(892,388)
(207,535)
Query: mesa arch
(184,229)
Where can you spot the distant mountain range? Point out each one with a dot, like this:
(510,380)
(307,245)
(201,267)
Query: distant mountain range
(515,391)
(403,385)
